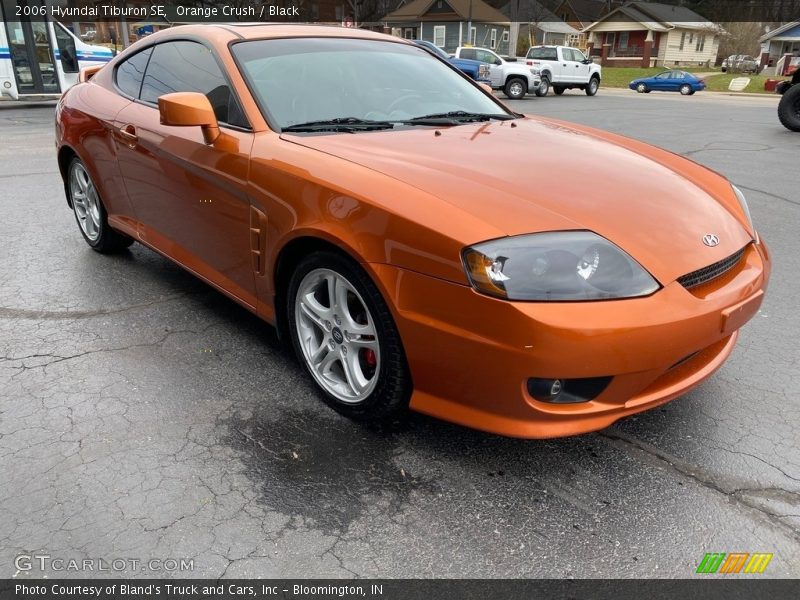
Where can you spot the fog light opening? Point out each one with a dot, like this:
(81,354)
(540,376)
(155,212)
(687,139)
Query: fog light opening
(567,391)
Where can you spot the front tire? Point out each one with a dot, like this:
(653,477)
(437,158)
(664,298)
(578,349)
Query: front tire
(343,333)
(90,213)
(789,108)
(592,87)
(641,88)
(516,88)
(558,90)
(544,87)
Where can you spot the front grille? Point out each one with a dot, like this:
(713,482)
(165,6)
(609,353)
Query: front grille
(711,272)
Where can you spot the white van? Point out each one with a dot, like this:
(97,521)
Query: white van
(59,56)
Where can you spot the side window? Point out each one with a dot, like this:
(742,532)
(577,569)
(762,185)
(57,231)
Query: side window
(190,67)
(469,53)
(487,57)
(131,72)
(66,48)
(578,55)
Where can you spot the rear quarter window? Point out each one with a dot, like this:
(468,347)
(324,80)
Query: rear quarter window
(543,53)
(130,73)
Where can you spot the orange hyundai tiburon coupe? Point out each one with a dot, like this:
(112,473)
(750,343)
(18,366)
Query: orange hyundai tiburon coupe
(419,243)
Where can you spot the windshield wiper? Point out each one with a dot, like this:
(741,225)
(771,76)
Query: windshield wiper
(348,124)
(462,116)
(353,124)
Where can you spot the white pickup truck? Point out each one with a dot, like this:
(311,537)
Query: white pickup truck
(563,68)
(514,77)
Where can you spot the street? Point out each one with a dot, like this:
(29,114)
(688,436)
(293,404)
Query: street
(144,415)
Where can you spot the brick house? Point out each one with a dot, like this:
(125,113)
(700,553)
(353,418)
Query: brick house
(648,34)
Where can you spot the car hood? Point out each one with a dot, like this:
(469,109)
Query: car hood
(531,175)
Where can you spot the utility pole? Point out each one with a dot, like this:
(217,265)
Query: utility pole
(126,40)
(469,26)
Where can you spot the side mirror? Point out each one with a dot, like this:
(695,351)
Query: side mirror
(588,61)
(189,109)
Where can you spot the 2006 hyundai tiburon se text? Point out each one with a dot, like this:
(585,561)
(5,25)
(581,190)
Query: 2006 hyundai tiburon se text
(357,192)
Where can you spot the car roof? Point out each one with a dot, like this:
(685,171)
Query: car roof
(279,30)
(223,33)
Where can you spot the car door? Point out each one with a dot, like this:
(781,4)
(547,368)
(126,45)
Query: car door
(580,70)
(495,65)
(661,81)
(190,197)
(676,81)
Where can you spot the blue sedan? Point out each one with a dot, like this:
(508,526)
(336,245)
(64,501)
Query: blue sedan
(669,81)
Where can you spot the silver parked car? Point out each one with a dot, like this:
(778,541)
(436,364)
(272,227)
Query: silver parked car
(740,63)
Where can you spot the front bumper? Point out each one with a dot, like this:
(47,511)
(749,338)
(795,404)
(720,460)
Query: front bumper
(471,355)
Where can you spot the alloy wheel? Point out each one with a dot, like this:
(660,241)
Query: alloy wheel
(337,335)
(85,202)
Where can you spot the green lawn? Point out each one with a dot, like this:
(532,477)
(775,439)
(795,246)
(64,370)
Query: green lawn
(621,77)
(719,83)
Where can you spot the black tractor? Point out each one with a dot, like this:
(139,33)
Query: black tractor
(789,107)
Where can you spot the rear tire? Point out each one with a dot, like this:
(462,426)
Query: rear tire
(558,90)
(789,108)
(347,340)
(516,88)
(544,87)
(686,90)
(592,87)
(90,213)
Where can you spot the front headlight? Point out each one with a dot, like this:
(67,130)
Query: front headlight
(563,265)
(745,210)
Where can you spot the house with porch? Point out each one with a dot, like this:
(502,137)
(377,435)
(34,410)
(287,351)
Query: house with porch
(452,23)
(649,34)
(579,14)
(780,48)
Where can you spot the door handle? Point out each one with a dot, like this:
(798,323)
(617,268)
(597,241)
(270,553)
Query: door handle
(128,134)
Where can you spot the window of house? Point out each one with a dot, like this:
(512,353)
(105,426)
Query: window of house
(493,39)
(505,36)
(701,43)
(691,39)
(473,35)
(683,39)
(184,66)
(623,39)
(438,35)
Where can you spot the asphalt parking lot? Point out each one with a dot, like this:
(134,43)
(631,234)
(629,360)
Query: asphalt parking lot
(144,415)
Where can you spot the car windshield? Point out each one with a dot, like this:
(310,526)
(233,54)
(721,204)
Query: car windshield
(306,80)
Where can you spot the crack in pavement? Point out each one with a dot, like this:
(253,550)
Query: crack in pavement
(22,313)
(692,472)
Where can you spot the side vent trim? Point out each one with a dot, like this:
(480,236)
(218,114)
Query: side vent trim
(258,240)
